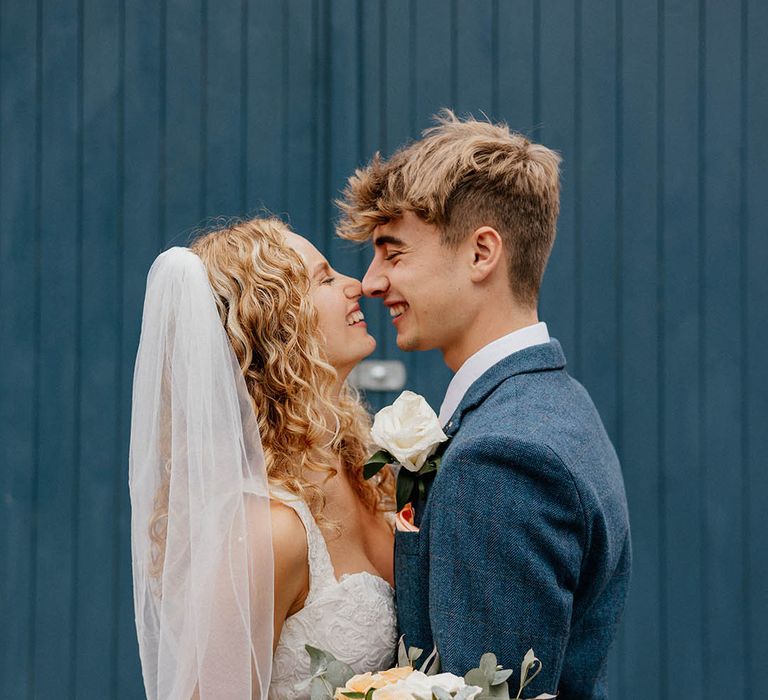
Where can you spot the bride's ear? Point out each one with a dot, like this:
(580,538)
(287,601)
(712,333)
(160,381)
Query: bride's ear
(487,251)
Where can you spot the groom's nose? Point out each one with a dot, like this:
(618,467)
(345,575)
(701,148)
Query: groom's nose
(375,283)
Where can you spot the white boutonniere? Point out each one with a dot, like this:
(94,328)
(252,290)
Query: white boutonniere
(408,434)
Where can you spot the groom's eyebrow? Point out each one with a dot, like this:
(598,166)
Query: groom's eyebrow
(387,240)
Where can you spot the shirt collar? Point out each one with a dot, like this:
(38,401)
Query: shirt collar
(476,365)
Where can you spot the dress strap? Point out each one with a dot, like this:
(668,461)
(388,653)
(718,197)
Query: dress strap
(321,572)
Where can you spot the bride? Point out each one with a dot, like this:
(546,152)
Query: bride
(253,530)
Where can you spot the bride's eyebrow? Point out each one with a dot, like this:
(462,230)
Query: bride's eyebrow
(320,267)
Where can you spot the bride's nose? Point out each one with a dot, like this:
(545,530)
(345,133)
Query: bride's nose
(353,289)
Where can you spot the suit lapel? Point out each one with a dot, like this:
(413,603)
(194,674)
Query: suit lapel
(537,358)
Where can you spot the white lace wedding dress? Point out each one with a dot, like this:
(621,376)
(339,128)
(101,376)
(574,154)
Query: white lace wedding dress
(353,618)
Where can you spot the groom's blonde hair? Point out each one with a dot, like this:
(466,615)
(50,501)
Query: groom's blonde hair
(463,174)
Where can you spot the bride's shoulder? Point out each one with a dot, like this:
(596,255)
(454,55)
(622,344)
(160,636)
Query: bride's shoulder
(287,527)
(291,561)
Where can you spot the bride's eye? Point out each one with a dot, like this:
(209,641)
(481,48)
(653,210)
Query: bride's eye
(328,280)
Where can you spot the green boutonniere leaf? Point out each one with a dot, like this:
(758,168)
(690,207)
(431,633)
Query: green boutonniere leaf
(405,482)
(375,464)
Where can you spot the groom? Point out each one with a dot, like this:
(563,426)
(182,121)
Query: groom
(523,541)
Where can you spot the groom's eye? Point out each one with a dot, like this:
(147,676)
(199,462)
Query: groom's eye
(392,256)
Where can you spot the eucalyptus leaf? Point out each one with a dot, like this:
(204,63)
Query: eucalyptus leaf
(318,659)
(413,654)
(477,677)
(501,676)
(499,691)
(352,694)
(529,662)
(464,693)
(431,665)
(319,690)
(405,483)
(402,653)
(338,674)
(488,666)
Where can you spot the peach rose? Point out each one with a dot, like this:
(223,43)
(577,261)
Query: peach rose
(360,683)
(393,675)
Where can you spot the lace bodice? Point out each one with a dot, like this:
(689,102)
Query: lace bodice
(353,618)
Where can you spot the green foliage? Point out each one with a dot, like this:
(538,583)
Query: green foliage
(326,673)
(376,463)
(405,482)
(492,678)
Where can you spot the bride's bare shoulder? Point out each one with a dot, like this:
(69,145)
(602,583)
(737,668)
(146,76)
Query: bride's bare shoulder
(287,529)
(291,551)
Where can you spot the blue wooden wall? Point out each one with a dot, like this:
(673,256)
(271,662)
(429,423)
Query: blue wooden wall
(126,124)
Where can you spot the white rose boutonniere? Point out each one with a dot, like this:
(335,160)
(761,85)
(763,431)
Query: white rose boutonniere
(409,430)
(409,434)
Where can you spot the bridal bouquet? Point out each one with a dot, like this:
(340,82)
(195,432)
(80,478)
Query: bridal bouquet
(334,680)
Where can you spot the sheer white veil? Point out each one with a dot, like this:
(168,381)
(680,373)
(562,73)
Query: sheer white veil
(203,583)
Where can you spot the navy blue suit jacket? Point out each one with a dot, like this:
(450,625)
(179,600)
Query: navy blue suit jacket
(524,537)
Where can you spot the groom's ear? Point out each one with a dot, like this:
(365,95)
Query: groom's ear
(487,250)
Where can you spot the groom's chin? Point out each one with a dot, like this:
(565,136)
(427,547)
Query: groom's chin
(408,343)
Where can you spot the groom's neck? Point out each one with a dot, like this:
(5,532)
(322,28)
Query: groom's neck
(487,326)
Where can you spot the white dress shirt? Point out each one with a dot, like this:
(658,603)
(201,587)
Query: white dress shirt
(477,364)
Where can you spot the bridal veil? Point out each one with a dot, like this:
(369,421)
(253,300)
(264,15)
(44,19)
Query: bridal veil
(200,534)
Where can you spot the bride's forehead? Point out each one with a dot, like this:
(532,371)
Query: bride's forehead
(303,247)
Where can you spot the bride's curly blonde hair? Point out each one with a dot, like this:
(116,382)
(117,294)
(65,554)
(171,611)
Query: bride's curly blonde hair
(262,290)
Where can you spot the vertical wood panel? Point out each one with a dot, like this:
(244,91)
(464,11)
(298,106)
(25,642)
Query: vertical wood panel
(99,351)
(433,56)
(596,199)
(596,222)
(19,338)
(399,70)
(58,390)
(184,133)
(142,208)
(301,154)
(515,70)
(640,338)
(224,142)
(343,128)
(681,332)
(555,30)
(475,71)
(267,88)
(722,458)
(755,329)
